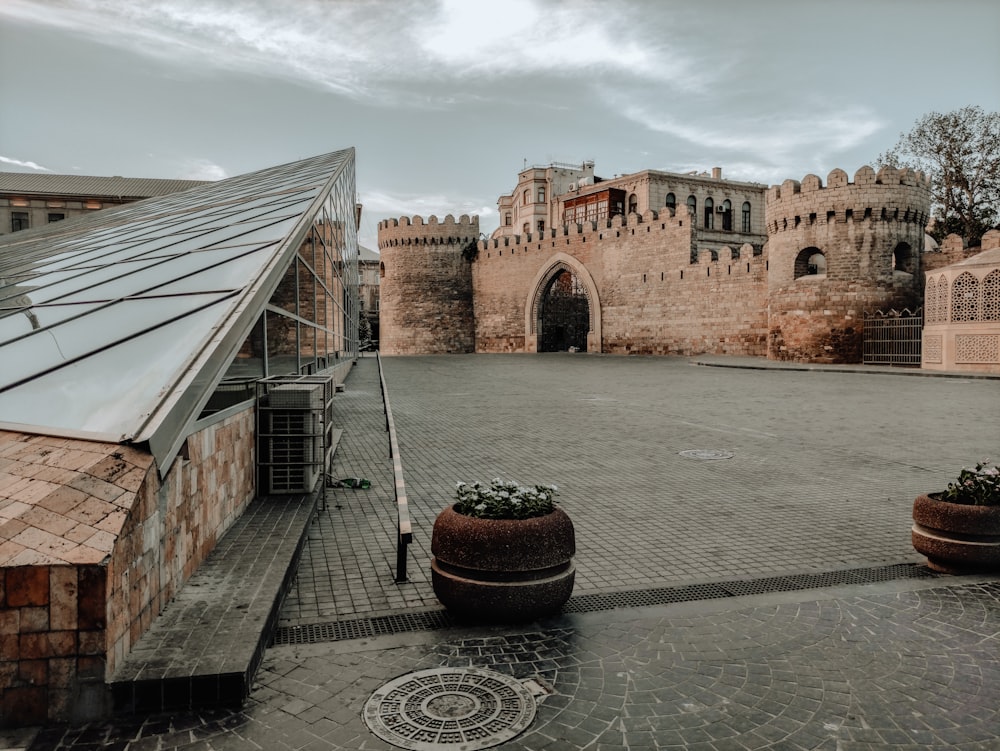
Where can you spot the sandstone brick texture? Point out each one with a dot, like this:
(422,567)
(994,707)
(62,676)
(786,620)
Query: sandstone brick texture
(658,282)
(92,546)
(426,285)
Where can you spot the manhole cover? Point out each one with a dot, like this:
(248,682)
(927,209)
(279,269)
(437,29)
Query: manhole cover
(447,708)
(707,454)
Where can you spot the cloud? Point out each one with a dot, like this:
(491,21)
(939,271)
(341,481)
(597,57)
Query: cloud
(395,205)
(20,163)
(531,37)
(202,169)
(400,50)
(769,139)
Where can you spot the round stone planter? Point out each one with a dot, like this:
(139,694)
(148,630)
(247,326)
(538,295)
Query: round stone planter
(503,570)
(956,538)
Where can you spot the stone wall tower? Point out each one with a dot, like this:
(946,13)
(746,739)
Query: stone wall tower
(837,251)
(426,285)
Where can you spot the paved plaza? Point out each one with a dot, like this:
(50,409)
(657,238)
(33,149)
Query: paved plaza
(770,599)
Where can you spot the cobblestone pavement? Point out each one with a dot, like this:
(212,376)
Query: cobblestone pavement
(824,469)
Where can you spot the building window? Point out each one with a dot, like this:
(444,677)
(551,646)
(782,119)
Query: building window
(507,219)
(541,195)
(56,217)
(709,213)
(746,216)
(526,197)
(526,229)
(902,259)
(541,227)
(18,220)
(727,215)
(633,203)
(810,262)
(671,202)
(692,204)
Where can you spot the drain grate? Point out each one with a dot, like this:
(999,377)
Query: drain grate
(442,708)
(361,628)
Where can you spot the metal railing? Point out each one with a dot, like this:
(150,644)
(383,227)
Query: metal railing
(404,530)
(892,337)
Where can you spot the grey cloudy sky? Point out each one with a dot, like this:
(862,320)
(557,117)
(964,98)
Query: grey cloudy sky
(445,101)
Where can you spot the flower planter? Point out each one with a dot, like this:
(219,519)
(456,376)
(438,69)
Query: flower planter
(956,538)
(503,570)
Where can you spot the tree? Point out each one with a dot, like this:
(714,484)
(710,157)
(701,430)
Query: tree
(960,152)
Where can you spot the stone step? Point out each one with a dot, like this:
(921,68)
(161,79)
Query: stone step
(205,647)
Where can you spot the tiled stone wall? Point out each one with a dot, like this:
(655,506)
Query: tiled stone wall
(92,546)
(175,525)
(51,643)
(62,504)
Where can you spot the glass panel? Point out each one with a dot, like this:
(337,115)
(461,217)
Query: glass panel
(286,294)
(282,344)
(249,361)
(91,330)
(134,277)
(108,392)
(307,289)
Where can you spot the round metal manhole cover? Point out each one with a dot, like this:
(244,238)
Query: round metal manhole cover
(450,708)
(707,454)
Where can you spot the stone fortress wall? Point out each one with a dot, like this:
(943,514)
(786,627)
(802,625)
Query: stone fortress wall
(657,282)
(426,285)
(870,234)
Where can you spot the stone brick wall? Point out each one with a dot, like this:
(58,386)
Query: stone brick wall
(174,525)
(52,628)
(871,234)
(62,503)
(660,283)
(652,298)
(426,288)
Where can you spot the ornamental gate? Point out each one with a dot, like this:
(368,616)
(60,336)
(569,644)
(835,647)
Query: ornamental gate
(564,315)
(893,337)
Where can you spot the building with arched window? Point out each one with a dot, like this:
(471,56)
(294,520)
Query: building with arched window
(962,312)
(625,269)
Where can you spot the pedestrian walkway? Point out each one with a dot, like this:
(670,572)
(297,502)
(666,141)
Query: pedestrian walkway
(718,603)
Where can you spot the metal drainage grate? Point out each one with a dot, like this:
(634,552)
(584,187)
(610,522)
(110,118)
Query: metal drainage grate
(706,454)
(441,708)
(360,628)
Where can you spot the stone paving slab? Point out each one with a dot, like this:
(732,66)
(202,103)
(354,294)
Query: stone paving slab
(825,466)
(893,666)
(205,647)
(824,471)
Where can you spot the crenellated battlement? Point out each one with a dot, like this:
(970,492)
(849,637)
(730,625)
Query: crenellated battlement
(432,231)
(894,195)
(611,229)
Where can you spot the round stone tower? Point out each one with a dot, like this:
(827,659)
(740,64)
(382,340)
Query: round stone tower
(837,251)
(425,290)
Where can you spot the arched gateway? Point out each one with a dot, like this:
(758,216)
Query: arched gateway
(563,308)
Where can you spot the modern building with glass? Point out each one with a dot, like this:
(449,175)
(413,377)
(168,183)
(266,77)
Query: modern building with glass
(134,343)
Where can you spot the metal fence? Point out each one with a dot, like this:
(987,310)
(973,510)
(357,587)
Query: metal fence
(893,337)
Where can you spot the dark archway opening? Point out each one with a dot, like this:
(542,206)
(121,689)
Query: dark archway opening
(563,315)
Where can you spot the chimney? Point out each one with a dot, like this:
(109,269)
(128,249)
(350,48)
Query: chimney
(716,173)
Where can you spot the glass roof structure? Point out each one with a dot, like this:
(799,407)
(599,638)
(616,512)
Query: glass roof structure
(120,325)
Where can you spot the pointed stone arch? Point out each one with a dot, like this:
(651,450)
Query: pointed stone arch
(555,265)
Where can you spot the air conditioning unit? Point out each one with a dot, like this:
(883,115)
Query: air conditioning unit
(720,210)
(572,186)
